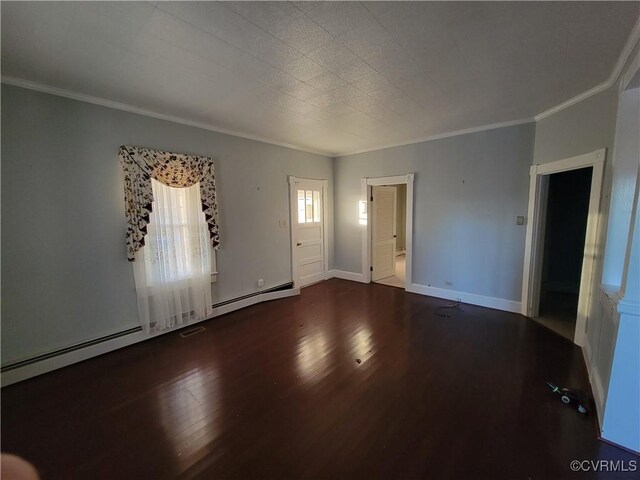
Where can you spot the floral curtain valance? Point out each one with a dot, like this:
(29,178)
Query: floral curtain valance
(173,169)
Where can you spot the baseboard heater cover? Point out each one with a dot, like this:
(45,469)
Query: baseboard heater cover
(62,351)
(129,331)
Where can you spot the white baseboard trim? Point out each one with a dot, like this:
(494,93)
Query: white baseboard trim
(354,277)
(596,383)
(470,298)
(75,356)
(598,395)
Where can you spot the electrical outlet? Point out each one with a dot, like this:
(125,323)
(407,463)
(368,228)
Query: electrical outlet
(261,282)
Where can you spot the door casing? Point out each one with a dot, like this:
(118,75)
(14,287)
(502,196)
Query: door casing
(532,272)
(323,185)
(365,190)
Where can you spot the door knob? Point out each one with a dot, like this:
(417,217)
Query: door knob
(395,236)
(298,244)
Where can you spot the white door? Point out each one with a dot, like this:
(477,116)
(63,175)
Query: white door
(383,230)
(307,230)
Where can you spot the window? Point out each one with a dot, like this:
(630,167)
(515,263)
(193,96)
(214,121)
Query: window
(173,271)
(309,206)
(171,246)
(177,242)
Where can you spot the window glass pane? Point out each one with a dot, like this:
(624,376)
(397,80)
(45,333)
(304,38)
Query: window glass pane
(177,240)
(300,206)
(309,206)
(316,206)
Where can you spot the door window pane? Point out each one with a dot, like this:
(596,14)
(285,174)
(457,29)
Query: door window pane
(309,206)
(301,206)
(316,206)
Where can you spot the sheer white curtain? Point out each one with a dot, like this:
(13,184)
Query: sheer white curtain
(173,270)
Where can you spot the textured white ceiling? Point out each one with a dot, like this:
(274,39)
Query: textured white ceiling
(334,77)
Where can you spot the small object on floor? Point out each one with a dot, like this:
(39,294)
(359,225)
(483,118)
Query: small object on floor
(453,305)
(569,397)
(358,360)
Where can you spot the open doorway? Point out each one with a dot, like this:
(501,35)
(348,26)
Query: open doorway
(565,226)
(388,242)
(545,290)
(365,208)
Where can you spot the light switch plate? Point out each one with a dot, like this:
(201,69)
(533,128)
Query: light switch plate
(282,223)
(519,220)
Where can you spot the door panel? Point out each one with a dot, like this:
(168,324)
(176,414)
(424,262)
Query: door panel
(309,234)
(307,231)
(384,232)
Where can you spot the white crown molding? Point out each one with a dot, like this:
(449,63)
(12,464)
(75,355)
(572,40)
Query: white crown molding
(613,77)
(615,73)
(39,87)
(572,101)
(454,133)
(103,102)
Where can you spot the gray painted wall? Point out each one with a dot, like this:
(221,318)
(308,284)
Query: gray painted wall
(582,128)
(65,277)
(468,191)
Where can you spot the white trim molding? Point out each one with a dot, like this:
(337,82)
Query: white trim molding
(611,80)
(352,276)
(103,102)
(323,184)
(464,297)
(532,271)
(63,360)
(438,136)
(469,298)
(617,70)
(365,190)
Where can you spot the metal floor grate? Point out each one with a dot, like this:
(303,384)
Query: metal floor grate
(192,331)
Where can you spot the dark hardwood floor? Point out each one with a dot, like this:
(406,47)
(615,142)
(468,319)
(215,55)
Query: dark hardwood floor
(346,381)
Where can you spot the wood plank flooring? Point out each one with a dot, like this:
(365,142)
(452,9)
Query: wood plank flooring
(346,381)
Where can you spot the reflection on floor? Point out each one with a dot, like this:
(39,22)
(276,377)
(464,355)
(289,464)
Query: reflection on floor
(345,381)
(558,312)
(396,280)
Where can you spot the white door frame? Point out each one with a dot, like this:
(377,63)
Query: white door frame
(366,183)
(533,251)
(292,222)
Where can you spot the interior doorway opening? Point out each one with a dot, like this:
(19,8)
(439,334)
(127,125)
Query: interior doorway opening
(388,207)
(565,226)
(592,165)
